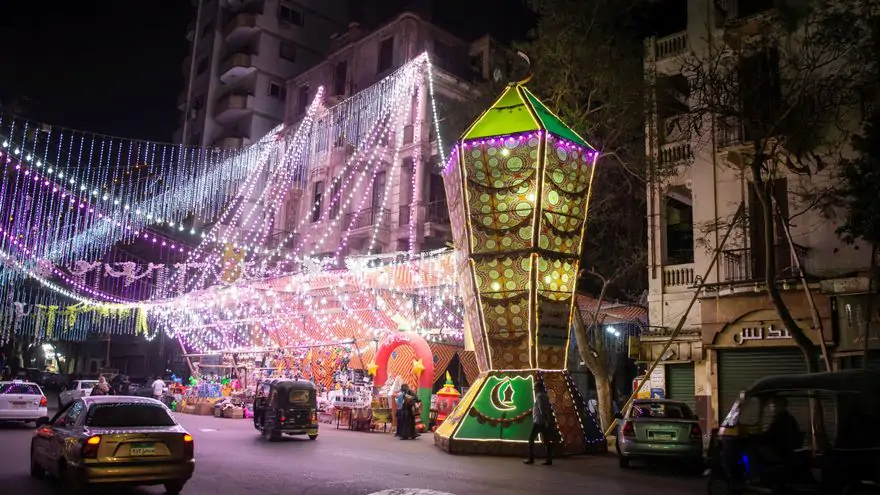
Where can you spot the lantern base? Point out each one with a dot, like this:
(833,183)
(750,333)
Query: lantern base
(495,416)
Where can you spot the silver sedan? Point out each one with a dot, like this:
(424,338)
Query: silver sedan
(657,428)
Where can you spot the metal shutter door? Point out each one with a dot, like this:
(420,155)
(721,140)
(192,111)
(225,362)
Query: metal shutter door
(680,383)
(738,370)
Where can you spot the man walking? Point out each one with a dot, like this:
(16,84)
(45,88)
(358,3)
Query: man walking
(542,424)
(158,388)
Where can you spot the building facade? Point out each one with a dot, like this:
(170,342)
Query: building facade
(416,206)
(733,336)
(241,54)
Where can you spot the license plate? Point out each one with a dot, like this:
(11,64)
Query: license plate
(143,449)
(661,435)
(19,405)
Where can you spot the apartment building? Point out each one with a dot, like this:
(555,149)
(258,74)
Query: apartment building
(732,336)
(359,59)
(241,54)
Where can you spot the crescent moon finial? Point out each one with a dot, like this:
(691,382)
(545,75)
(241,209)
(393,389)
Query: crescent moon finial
(529,74)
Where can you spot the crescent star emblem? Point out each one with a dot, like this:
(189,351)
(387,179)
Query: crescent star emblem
(502,400)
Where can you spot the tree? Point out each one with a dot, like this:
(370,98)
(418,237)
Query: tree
(587,64)
(856,194)
(779,87)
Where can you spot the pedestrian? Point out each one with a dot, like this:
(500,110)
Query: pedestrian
(542,424)
(102,387)
(158,388)
(406,429)
(125,387)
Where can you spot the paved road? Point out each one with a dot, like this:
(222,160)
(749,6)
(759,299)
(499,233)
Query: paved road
(231,458)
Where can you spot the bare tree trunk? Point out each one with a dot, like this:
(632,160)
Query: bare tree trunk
(763,192)
(869,306)
(604,398)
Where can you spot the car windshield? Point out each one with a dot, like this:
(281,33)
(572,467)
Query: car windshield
(128,415)
(19,389)
(89,384)
(299,397)
(663,410)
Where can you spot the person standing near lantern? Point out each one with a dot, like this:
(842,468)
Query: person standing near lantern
(542,424)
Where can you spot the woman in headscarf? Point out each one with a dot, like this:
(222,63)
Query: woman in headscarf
(407,421)
(102,387)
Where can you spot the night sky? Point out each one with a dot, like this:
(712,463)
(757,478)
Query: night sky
(114,66)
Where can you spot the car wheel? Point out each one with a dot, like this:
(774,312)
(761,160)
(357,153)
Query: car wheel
(313,437)
(623,462)
(174,488)
(719,486)
(37,470)
(72,484)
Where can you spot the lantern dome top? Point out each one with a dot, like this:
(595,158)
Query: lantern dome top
(518,110)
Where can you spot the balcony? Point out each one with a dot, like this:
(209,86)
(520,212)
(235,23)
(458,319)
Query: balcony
(232,107)
(670,46)
(678,278)
(729,133)
(282,239)
(235,67)
(437,212)
(367,218)
(181,101)
(240,28)
(747,264)
(674,153)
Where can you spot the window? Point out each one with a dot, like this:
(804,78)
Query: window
(340,75)
(277,90)
(69,418)
(378,189)
(386,55)
(209,26)
(87,385)
(202,67)
(679,227)
(287,13)
(318,200)
(128,415)
(661,410)
(287,51)
(760,92)
(303,98)
(20,389)
(334,197)
(300,397)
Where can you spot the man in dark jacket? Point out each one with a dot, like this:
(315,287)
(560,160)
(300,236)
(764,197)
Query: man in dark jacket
(542,424)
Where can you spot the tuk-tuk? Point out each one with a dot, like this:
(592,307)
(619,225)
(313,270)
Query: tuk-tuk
(286,407)
(810,433)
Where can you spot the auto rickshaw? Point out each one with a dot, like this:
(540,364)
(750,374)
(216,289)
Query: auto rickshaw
(286,407)
(810,433)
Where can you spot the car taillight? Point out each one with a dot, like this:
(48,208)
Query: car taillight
(314,415)
(90,447)
(188,446)
(43,401)
(696,432)
(628,430)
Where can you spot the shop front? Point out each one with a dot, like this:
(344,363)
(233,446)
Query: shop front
(753,344)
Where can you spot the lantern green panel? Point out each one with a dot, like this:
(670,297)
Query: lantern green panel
(518,187)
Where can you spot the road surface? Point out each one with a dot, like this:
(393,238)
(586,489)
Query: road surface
(231,458)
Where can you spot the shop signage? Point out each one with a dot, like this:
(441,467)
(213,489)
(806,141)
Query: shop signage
(397,338)
(761,332)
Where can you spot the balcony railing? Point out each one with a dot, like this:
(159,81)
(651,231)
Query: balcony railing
(674,153)
(368,217)
(728,132)
(748,265)
(678,276)
(239,23)
(437,212)
(282,239)
(671,46)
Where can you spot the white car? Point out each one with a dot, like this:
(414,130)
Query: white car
(78,390)
(22,401)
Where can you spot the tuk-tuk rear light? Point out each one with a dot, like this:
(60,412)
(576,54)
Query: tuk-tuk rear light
(628,429)
(314,415)
(696,432)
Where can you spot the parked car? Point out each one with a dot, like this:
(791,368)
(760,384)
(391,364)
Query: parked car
(22,401)
(78,389)
(113,440)
(658,428)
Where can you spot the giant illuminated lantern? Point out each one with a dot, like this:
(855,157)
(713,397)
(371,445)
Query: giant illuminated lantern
(518,186)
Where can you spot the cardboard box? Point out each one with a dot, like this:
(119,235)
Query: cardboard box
(233,413)
(205,409)
(189,409)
